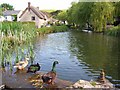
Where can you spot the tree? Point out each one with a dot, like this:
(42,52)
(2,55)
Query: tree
(96,14)
(62,16)
(117,9)
(71,13)
(102,13)
(6,6)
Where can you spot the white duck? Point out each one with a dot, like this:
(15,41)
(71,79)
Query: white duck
(22,64)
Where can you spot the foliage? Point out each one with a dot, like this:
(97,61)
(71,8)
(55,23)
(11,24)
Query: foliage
(102,13)
(71,13)
(0,10)
(62,16)
(6,6)
(52,29)
(49,11)
(117,9)
(96,14)
(54,13)
(114,31)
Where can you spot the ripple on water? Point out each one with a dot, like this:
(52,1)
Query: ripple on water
(109,77)
(118,81)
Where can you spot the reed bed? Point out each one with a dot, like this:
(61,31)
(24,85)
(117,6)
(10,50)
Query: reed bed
(17,39)
(13,37)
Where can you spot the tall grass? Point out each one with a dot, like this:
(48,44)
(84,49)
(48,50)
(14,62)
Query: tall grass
(13,35)
(114,31)
(16,39)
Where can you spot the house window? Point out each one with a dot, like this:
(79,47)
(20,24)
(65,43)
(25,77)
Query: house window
(6,17)
(33,17)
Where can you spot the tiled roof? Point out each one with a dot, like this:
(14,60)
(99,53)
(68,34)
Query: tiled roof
(11,12)
(39,13)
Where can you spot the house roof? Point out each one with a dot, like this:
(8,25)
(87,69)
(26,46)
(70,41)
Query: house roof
(39,13)
(46,13)
(11,12)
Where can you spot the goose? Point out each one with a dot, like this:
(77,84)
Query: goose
(33,68)
(49,77)
(22,64)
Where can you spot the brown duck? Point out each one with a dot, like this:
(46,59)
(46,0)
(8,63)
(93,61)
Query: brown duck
(49,77)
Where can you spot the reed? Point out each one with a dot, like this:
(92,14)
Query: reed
(13,35)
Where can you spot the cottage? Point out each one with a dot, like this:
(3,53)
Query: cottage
(33,14)
(11,15)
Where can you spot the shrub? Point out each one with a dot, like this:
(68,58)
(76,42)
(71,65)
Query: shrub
(52,29)
(114,31)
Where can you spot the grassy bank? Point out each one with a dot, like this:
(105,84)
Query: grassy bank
(114,31)
(52,29)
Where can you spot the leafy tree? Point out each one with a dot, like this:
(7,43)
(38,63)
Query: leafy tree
(117,9)
(6,6)
(62,16)
(71,13)
(102,13)
(95,13)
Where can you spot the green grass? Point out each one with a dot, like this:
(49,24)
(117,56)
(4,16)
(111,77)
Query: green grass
(49,11)
(114,31)
(52,29)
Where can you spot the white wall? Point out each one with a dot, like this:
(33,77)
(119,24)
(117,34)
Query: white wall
(18,16)
(27,17)
(2,18)
(9,18)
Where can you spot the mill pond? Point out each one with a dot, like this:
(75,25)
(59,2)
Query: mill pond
(80,55)
(79,45)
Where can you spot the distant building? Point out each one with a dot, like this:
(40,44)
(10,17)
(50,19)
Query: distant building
(11,15)
(2,18)
(33,14)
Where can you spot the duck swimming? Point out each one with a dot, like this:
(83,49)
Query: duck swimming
(21,64)
(49,77)
(33,68)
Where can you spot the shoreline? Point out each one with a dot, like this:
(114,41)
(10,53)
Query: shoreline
(21,79)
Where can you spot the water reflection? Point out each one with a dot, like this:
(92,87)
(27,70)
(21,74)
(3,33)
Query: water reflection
(97,50)
(81,55)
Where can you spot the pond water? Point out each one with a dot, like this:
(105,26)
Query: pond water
(80,55)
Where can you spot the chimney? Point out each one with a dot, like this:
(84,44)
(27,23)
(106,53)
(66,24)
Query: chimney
(38,8)
(29,6)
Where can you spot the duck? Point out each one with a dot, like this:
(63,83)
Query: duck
(101,77)
(33,68)
(48,78)
(22,64)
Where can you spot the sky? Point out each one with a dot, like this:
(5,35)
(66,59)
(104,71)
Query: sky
(42,4)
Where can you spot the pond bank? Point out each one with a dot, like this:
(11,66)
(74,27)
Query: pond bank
(21,79)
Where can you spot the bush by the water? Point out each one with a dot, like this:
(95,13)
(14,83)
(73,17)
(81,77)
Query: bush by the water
(52,29)
(114,31)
